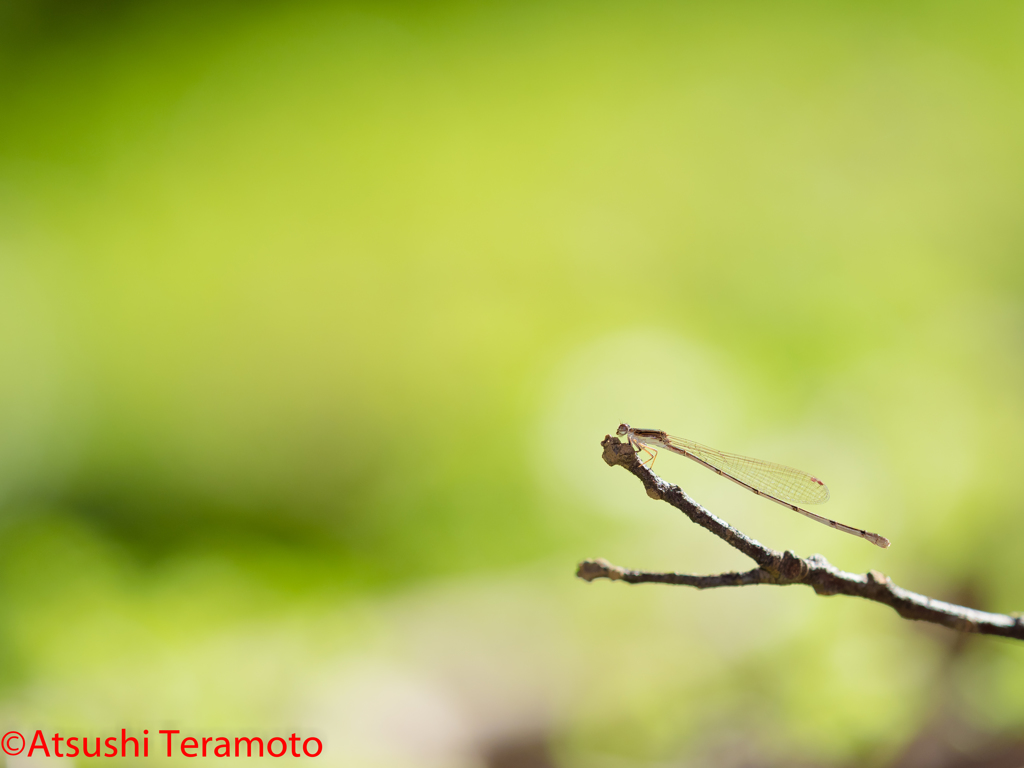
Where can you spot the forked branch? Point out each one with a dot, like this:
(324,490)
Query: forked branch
(784,568)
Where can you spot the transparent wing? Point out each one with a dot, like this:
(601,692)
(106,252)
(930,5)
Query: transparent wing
(782,482)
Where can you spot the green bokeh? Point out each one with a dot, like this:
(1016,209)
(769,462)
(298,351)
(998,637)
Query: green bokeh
(312,317)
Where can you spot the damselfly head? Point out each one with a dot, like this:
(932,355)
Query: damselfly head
(623,429)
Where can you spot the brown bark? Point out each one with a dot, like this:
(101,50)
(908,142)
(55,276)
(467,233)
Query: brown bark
(785,568)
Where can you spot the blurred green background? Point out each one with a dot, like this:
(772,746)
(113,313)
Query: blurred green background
(312,317)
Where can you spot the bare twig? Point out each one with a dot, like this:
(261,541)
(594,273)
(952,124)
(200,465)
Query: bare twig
(784,568)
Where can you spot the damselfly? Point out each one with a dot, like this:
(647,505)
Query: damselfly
(783,485)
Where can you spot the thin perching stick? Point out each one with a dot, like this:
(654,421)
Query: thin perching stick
(785,568)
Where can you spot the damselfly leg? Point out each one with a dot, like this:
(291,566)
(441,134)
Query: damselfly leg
(639,447)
